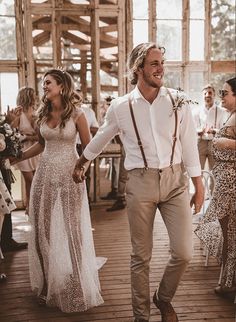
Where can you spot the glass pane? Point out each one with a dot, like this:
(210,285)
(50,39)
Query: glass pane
(197,9)
(169,9)
(7,38)
(223,30)
(42,48)
(196,84)
(196,45)
(108,55)
(169,35)
(172,79)
(8,90)
(140,9)
(140,31)
(7,8)
(218,79)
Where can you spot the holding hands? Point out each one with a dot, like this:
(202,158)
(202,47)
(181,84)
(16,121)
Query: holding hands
(80,169)
(79,174)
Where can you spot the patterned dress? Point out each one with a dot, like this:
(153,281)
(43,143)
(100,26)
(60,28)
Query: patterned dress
(61,242)
(222,204)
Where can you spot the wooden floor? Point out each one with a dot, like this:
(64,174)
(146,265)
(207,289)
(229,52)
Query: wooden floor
(195,300)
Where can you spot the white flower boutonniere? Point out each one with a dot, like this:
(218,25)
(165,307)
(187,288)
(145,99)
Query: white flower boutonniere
(180,99)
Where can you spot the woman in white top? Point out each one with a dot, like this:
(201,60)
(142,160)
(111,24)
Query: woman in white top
(25,122)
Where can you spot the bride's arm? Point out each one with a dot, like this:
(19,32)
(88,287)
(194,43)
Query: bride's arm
(83,129)
(32,151)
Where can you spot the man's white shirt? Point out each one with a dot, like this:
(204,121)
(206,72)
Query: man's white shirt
(156,125)
(205,118)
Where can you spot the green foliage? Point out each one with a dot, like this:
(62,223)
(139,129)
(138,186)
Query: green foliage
(223,30)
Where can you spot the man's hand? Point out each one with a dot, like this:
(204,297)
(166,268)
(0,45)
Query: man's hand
(198,196)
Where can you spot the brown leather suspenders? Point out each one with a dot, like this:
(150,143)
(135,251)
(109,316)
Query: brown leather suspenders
(138,137)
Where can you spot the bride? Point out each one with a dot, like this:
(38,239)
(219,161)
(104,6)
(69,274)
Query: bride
(62,262)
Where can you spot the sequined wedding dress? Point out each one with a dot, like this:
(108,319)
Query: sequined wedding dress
(61,236)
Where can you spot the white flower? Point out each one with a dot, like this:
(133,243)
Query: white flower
(18,135)
(7,164)
(9,132)
(180,99)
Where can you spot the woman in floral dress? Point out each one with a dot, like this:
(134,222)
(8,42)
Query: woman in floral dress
(221,239)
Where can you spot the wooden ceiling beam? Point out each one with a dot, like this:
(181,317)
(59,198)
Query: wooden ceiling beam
(75,39)
(41,38)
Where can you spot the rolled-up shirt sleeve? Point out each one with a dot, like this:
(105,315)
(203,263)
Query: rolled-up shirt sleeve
(188,137)
(104,134)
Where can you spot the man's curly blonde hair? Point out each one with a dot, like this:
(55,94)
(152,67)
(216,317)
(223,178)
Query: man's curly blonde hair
(137,57)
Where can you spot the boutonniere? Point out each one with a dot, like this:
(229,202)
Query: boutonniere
(180,99)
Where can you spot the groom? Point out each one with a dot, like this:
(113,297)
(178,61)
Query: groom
(156,139)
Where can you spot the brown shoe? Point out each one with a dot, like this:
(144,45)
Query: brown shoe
(167,311)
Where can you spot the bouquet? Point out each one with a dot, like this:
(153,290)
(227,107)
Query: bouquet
(10,141)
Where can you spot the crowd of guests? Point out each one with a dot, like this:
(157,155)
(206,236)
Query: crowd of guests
(56,195)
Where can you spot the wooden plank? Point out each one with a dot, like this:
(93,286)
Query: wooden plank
(194,301)
(223,66)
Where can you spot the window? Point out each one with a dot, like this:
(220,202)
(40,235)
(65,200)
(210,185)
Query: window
(140,22)
(8,90)
(195,45)
(169,27)
(197,30)
(7,30)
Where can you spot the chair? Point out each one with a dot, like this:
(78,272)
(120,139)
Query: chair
(209,185)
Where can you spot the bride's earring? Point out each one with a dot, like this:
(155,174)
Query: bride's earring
(61,91)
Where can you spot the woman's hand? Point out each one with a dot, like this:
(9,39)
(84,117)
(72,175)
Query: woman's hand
(79,174)
(13,114)
(81,167)
(224,143)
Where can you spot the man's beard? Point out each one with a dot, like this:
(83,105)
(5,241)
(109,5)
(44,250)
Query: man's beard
(152,83)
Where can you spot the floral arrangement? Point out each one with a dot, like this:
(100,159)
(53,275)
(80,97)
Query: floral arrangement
(180,99)
(10,141)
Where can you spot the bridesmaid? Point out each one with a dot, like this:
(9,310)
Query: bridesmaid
(25,122)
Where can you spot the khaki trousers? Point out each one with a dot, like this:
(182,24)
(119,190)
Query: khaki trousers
(205,153)
(166,190)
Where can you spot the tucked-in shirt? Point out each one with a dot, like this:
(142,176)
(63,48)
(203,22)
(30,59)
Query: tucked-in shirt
(156,125)
(212,118)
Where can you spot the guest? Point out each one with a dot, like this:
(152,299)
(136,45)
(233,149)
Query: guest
(208,120)
(6,205)
(8,243)
(222,207)
(62,262)
(93,127)
(25,122)
(156,178)
(120,202)
(114,163)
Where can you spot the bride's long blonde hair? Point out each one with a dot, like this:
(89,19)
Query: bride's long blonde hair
(69,97)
